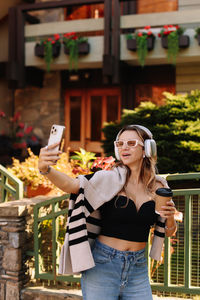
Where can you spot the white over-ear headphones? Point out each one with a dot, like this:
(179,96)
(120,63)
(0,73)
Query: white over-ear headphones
(150,148)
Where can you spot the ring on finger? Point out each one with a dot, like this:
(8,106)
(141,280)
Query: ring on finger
(46,147)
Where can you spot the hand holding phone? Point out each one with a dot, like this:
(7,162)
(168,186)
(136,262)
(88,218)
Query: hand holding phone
(56,136)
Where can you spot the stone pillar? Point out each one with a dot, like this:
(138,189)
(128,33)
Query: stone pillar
(14,216)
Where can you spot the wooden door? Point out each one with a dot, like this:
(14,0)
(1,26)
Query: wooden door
(85,113)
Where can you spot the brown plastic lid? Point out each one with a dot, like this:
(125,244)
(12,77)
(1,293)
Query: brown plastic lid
(164,192)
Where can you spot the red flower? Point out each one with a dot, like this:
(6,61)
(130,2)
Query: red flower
(28,129)
(20,134)
(166,32)
(19,145)
(149,33)
(147,27)
(2,114)
(56,37)
(49,39)
(74,37)
(33,138)
(53,42)
(139,33)
(177,27)
(16,117)
(159,35)
(165,26)
(22,145)
(21,125)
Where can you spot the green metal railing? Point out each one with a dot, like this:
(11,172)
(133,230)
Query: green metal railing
(180,270)
(10,184)
(46,258)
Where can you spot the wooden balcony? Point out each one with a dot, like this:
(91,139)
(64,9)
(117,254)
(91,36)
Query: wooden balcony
(106,50)
(94,59)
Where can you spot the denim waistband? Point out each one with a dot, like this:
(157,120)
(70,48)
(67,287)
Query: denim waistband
(113,251)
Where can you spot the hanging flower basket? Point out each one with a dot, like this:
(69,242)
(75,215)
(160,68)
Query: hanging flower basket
(173,39)
(142,42)
(132,43)
(48,49)
(183,41)
(83,48)
(75,46)
(198,38)
(197,34)
(40,49)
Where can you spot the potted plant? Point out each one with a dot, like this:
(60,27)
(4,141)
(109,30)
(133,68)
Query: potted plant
(172,38)
(48,49)
(142,42)
(34,182)
(73,46)
(197,34)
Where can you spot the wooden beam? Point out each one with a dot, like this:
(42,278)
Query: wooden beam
(20,46)
(56,4)
(63,27)
(12,56)
(116,41)
(107,56)
(160,19)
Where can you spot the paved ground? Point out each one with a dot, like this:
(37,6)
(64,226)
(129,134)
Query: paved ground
(78,292)
(73,294)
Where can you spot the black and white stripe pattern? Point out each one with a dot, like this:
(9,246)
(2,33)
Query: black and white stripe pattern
(84,220)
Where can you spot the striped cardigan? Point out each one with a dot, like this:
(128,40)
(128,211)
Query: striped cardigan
(84,221)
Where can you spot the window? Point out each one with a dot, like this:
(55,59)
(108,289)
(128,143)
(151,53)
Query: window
(151,6)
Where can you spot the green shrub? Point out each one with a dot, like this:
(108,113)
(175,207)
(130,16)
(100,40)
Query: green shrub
(175,127)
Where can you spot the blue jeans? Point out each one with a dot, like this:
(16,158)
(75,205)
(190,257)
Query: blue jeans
(117,275)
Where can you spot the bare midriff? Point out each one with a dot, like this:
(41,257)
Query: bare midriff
(121,245)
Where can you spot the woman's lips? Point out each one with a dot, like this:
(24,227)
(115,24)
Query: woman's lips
(125,155)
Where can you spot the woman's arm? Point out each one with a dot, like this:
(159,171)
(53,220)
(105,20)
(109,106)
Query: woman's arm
(49,157)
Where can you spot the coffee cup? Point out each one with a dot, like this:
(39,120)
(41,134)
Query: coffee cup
(163,195)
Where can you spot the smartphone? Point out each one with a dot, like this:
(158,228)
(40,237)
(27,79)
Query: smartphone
(56,136)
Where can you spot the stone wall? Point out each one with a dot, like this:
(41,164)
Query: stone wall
(41,107)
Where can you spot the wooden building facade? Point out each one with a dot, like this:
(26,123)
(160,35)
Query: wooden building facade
(109,78)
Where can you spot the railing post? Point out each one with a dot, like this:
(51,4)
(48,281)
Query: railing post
(167,259)
(187,237)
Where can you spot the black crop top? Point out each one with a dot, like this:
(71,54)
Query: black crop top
(127,223)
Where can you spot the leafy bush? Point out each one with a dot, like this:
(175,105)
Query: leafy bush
(175,127)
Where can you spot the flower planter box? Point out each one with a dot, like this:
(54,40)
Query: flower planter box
(41,190)
(198,38)
(39,50)
(83,48)
(184,41)
(132,44)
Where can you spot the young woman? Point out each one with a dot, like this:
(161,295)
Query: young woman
(121,203)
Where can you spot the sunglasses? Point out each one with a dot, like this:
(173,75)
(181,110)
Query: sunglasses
(131,143)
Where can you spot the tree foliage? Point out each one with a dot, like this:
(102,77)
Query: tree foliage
(175,127)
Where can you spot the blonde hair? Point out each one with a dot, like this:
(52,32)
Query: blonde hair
(148,168)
